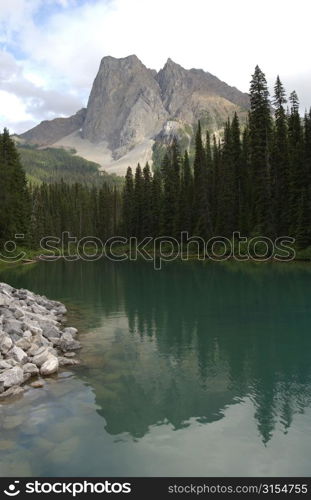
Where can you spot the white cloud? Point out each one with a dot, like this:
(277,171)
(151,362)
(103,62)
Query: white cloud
(13,111)
(23,99)
(63,49)
(12,107)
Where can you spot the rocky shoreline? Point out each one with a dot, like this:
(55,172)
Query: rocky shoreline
(33,340)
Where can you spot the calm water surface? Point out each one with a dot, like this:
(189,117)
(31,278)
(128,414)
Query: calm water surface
(192,370)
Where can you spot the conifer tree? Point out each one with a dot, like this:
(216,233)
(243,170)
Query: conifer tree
(296,164)
(14,196)
(156,203)
(128,204)
(260,127)
(168,195)
(307,164)
(280,163)
(226,197)
(303,229)
(138,202)
(186,196)
(237,172)
(171,190)
(176,168)
(40,219)
(105,202)
(201,215)
(210,173)
(307,148)
(247,187)
(147,201)
(215,183)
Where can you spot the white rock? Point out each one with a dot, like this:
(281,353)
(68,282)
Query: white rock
(23,344)
(60,308)
(41,358)
(27,376)
(33,350)
(71,330)
(50,366)
(32,326)
(27,335)
(67,336)
(38,350)
(55,341)
(51,331)
(13,327)
(5,343)
(40,340)
(18,313)
(67,361)
(37,309)
(45,320)
(72,345)
(31,368)
(4,300)
(5,288)
(12,362)
(14,376)
(18,354)
(4,365)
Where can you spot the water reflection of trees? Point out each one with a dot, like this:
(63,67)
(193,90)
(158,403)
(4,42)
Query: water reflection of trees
(247,325)
(198,339)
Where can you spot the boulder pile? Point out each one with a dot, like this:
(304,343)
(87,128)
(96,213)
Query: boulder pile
(33,340)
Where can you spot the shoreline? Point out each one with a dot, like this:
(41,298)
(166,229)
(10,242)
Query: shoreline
(34,341)
(173,257)
(156,257)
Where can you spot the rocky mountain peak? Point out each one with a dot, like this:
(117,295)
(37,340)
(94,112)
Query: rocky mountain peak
(174,81)
(128,61)
(171,73)
(131,106)
(170,64)
(125,104)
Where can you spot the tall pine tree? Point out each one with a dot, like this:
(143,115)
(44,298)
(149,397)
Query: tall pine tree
(260,128)
(280,162)
(201,215)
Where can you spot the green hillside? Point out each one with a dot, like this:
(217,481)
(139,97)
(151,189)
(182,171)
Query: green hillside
(52,165)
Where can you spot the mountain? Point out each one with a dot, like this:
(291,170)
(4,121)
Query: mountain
(132,110)
(188,95)
(50,131)
(125,105)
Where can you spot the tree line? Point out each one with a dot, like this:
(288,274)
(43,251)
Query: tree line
(77,209)
(256,179)
(28,212)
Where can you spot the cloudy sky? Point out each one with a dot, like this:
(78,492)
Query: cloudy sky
(50,49)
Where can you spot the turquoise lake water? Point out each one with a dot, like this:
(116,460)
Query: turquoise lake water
(194,370)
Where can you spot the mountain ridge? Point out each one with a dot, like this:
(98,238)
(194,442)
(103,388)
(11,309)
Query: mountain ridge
(131,108)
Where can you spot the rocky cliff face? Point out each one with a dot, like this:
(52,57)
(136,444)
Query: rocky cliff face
(131,106)
(190,95)
(125,105)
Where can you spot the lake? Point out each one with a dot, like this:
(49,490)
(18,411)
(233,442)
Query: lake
(194,370)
